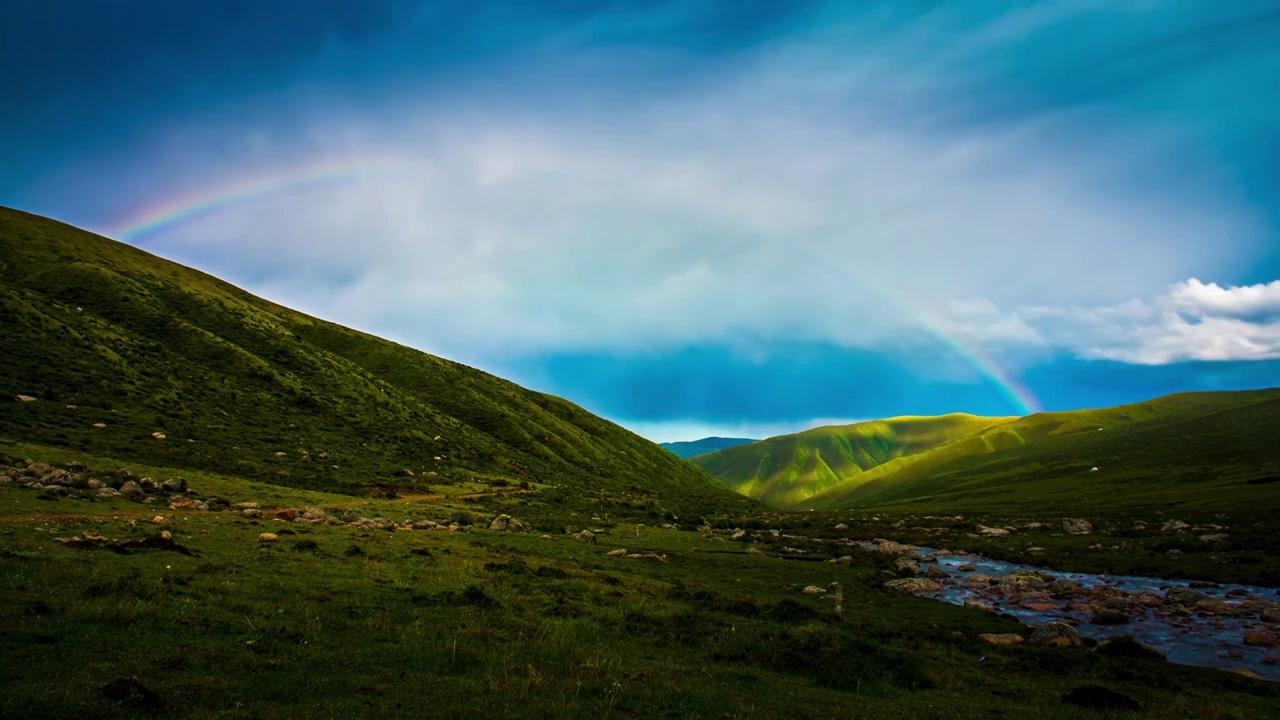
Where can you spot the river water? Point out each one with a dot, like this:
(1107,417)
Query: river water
(1215,641)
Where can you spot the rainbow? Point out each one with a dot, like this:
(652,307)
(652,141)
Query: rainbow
(176,211)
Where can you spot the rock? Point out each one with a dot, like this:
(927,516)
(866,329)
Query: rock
(268,537)
(1174,551)
(1261,638)
(506,523)
(1109,617)
(174,485)
(894,548)
(1247,673)
(158,435)
(166,535)
(1056,634)
(754,551)
(286,514)
(245,506)
(979,581)
(936,573)
(177,502)
(738,535)
(1214,538)
(1175,526)
(25,398)
(586,537)
(813,590)
(841,526)
(251,512)
(133,491)
(99,425)
(310,514)
(280,453)
(157,520)
(913,585)
(966,567)
(620,552)
(1077,526)
(1002,638)
(107,492)
(907,565)
(420,525)
(1179,595)
(979,605)
(95,484)
(1127,647)
(992,532)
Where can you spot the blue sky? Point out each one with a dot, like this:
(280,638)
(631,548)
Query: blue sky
(697,217)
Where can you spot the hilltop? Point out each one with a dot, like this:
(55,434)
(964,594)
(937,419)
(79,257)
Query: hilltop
(785,471)
(1214,448)
(119,353)
(693,448)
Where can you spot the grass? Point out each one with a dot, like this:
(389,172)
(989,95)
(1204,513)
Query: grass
(333,621)
(788,470)
(116,344)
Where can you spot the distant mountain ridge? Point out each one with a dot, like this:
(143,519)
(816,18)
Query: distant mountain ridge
(131,356)
(1200,444)
(693,448)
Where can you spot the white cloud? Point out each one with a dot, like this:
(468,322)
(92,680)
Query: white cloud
(1191,321)
(1253,301)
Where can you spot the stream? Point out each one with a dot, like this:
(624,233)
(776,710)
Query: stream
(1206,633)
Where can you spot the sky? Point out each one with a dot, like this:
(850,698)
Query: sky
(693,217)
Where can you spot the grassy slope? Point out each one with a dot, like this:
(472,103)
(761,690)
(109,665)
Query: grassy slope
(144,345)
(1199,452)
(785,471)
(338,622)
(694,448)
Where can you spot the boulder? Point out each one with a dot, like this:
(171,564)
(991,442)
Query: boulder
(620,552)
(1261,638)
(1056,634)
(174,485)
(813,590)
(133,491)
(1174,526)
(157,520)
(310,514)
(907,565)
(245,506)
(936,573)
(754,551)
(738,535)
(268,537)
(1077,526)
(1183,596)
(1002,638)
(25,398)
(992,531)
(506,523)
(979,605)
(286,514)
(966,567)
(913,585)
(252,512)
(586,537)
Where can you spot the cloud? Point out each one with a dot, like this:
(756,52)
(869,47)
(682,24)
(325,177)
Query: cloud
(1191,321)
(1250,302)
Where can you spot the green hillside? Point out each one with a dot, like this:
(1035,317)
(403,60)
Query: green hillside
(115,345)
(1209,452)
(694,448)
(785,471)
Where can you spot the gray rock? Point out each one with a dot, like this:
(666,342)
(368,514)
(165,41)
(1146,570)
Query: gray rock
(506,523)
(133,491)
(913,585)
(174,485)
(908,565)
(1077,526)
(1056,634)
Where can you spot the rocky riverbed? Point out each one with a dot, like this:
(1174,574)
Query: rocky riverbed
(1227,626)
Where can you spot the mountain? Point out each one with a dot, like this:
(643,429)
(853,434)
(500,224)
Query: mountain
(694,448)
(1206,451)
(785,471)
(117,348)
(1211,448)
